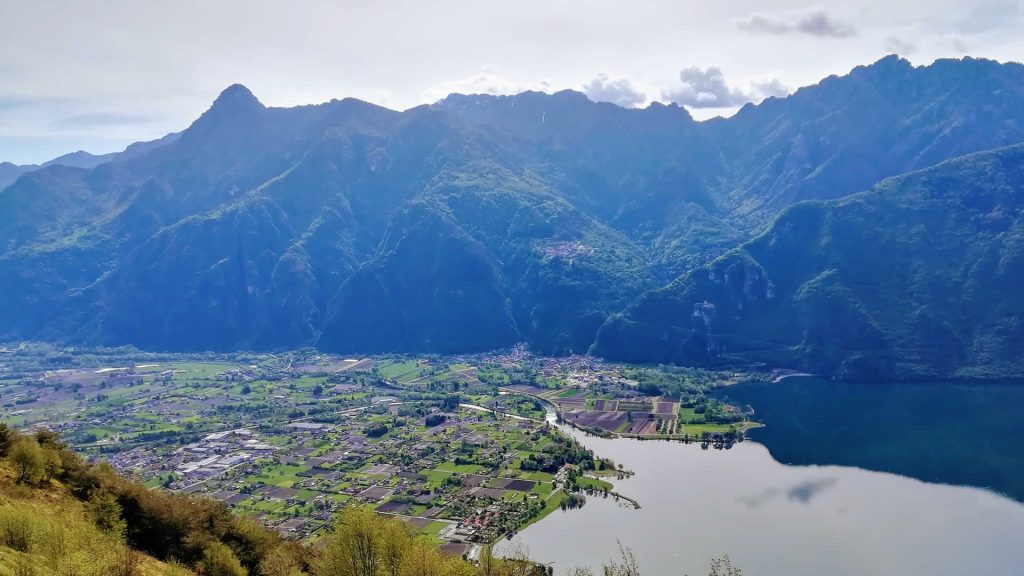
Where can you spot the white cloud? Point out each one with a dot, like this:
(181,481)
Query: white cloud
(487,81)
(771,88)
(896,45)
(707,88)
(704,88)
(985,16)
(816,22)
(64,59)
(619,91)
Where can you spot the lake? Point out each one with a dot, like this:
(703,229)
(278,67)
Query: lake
(812,518)
(939,432)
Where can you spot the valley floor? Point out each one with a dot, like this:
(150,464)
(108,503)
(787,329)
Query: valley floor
(456,447)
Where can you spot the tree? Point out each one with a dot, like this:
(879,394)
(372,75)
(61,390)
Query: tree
(395,542)
(625,566)
(8,437)
(353,549)
(279,563)
(422,560)
(364,543)
(52,464)
(458,567)
(219,560)
(28,460)
(376,430)
(488,563)
(517,562)
(106,512)
(723,567)
(49,439)
(250,542)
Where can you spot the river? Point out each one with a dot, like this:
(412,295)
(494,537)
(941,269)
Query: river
(781,519)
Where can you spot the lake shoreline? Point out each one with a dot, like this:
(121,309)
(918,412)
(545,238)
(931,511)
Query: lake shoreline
(782,377)
(752,506)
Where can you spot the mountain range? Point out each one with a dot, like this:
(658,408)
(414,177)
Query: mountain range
(866,227)
(10,172)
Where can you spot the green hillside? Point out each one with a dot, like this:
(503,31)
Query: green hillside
(482,221)
(917,278)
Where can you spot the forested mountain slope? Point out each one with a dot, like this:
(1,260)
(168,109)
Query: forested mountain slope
(919,277)
(481,221)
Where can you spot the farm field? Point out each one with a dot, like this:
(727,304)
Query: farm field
(290,439)
(615,408)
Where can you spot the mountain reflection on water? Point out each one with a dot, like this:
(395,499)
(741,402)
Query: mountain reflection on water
(814,518)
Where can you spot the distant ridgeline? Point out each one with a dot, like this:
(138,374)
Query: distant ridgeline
(868,227)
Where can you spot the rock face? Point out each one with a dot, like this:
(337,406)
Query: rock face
(481,221)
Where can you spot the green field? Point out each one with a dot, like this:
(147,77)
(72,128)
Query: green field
(147,424)
(400,371)
(191,370)
(550,505)
(462,468)
(593,483)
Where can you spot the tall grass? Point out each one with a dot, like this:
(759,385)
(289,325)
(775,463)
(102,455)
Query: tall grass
(19,527)
(66,546)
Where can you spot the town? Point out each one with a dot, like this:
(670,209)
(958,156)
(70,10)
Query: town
(462,449)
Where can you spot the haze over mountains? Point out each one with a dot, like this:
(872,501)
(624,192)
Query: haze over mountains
(81,159)
(481,221)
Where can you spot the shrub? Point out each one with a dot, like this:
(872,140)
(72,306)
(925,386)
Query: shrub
(17,528)
(28,460)
(219,560)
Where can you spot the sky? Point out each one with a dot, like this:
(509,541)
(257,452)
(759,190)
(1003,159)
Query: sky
(100,75)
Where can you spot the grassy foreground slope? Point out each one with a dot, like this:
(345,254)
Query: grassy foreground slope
(61,516)
(44,530)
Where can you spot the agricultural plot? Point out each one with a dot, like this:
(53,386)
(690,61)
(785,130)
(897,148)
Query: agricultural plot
(525,389)
(513,484)
(289,439)
(610,421)
(631,414)
(623,411)
(642,426)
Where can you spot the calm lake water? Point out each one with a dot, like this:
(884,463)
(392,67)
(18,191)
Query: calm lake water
(939,432)
(809,519)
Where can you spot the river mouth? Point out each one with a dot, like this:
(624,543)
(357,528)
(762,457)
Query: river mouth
(808,519)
